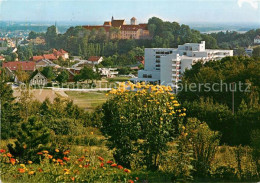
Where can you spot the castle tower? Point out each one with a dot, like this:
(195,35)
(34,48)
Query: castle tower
(112,18)
(133,21)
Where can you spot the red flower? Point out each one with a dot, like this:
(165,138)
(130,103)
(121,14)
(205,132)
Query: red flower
(40,170)
(2,151)
(81,159)
(12,160)
(9,155)
(100,158)
(59,160)
(131,181)
(120,167)
(127,170)
(109,162)
(21,170)
(101,165)
(86,166)
(136,178)
(114,165)
(66,159)
(39,153)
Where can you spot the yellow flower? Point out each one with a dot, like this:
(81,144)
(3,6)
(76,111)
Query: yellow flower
(80,166)
(183,127)
(57,150)
(46,152)
(30,162)
(91,133)
(22,165)
(31,172)
(172,98)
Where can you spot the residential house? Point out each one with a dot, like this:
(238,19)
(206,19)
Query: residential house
(257,40)
(46,63)
(12,67)
(95,60)
(38,41)
(36,58)
(50,56)
(61,53)
(108,72)
(39,79)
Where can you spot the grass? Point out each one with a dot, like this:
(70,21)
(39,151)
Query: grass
(118,79)
(87,100)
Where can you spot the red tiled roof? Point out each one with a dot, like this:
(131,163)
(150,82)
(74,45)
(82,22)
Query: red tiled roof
(25,65)
(94,58)
(97,27)
(57,53)
(50,56)
(37,58)
(117,23)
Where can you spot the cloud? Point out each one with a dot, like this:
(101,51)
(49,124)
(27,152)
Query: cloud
(253,3)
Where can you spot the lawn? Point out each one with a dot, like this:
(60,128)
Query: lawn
(87,100)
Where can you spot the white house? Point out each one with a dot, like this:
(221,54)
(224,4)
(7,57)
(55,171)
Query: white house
(257,40)
(95,60)
(108,72)
(38,79)
(166,65)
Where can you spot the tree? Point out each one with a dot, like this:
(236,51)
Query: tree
(51,36)
(256,52)
(33,137)
(87,73)
(63,77)
(9,111)
(32,35)
(48,72)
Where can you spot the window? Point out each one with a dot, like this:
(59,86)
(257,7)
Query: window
(158,65)
(149,75)
(157,60)
(184,53)
(158,56)
(144,75)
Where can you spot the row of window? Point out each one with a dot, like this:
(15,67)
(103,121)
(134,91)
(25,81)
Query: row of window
(162,52)
(147,75)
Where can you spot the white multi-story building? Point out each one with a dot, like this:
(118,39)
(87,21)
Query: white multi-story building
(166,65)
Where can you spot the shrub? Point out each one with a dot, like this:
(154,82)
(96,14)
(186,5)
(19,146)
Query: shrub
(204,143)
(255,144)
(141,122)
(32,137)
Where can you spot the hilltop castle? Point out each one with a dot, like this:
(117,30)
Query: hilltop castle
(118,29)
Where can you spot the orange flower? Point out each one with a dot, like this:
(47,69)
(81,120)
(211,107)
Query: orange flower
(50,156)
(101,165)
(45,152)
(109,162)
(66,152)
(12,160)
(57,150)
(30,162)
(127,170)
(136,178)
(9,155)
(59,160)
(40,170)
(2,151)
(39,153)
(21,170)
(130,181)
(73,179)
(120,167)
(86,166)
(100,158)
(66,159)
(114,165)
(31,172)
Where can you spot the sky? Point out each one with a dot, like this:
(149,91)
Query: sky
(183,11)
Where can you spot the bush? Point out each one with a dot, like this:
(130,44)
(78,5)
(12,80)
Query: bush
(32,137)
(141,122)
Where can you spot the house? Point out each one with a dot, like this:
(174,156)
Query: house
(37,41)
(46,63)
(50,56)
(38,79)
(95,60)
(2,58)
(166,65)
(61,53)
(36,58)
(108,72)
(118,29)
(26,66)
(257,40)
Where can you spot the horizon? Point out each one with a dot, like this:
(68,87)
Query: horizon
(217,12)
